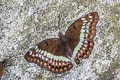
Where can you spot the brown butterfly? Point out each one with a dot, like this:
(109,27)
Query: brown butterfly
(56,54)
(2,67)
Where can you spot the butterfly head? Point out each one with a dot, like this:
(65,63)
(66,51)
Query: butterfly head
(62,37)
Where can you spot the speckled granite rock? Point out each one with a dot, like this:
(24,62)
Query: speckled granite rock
(23,23)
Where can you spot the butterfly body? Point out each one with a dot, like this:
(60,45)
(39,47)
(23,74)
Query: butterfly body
(63,43)
(55,54)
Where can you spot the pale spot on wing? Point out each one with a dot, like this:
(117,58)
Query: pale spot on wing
(83,19)
(36,47)
(90,16)
(40,56)
(88,24)
(37,50)
(83,27)
(82,30)
(33,55)
(37,55)
(30,52)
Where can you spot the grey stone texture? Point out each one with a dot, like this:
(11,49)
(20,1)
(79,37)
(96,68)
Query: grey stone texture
(23,23)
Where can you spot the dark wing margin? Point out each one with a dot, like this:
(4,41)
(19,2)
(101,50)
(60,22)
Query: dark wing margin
(46,55)
(80,35)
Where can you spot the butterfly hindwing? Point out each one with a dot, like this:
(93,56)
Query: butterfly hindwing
(80,35)
(46,55)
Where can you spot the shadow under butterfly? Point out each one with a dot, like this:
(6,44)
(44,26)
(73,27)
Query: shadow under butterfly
(57,54)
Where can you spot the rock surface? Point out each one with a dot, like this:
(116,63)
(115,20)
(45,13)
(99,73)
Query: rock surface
(23,23)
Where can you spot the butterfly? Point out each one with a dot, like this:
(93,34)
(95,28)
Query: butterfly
(2,67)
(56,54)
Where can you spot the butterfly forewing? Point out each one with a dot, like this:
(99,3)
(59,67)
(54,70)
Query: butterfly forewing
(47,55)
(80,35)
